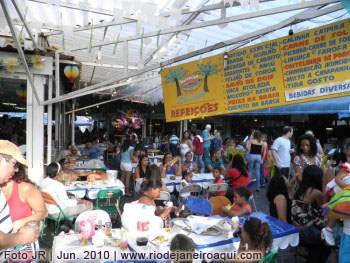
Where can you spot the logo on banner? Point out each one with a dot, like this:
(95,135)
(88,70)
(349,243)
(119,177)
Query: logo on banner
(194,86)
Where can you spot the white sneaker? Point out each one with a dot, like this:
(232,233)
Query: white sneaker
(327,235)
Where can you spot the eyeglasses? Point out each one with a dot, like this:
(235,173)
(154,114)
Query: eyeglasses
(16,165)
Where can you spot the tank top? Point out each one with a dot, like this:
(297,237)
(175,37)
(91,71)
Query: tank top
(184,148)
(171,171)
(274,213)
(18,209)
(255,149)
(189,167)
(142,173)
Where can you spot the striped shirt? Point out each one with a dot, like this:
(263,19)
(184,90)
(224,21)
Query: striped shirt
(5,220)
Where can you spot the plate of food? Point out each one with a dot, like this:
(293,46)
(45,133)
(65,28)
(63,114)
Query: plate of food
(211,231)
(81,184)
(159,240)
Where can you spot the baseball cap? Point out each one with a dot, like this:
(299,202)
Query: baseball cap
(9,148)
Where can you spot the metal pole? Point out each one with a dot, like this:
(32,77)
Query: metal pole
(126,58)
(73,123)
(19,49)
(49,125)
(25,24)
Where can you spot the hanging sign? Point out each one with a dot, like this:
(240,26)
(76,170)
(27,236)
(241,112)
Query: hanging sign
(308,66)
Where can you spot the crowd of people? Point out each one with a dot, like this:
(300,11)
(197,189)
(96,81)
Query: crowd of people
(300,180)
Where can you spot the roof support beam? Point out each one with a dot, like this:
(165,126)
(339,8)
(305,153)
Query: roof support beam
(83,28)
(14,2)
(19,49)
(303,16)
(215,22)
(187,22)
(111,100)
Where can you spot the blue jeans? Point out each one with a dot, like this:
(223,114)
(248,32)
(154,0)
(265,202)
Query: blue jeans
(344,250)
(173,149)
(198,159)
(206,154)
(254,164)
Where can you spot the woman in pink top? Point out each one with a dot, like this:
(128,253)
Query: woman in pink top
(24,199)
(26,204)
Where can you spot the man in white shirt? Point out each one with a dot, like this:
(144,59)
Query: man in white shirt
(281,151)
(10,156)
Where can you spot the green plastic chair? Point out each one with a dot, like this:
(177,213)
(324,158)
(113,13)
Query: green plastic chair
(48,199)
(270,258)
(108,194)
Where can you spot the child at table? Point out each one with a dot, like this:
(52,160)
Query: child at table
(182,243)
(341,181)
(241,206)
(186,181)
(217,180)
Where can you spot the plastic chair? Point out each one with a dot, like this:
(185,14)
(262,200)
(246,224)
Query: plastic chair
(96,215)
(270,258)
(195,189)
(218,202)
(251,185)
(48,199)
(216,188)
(108,194)
(164,196)
(199,206)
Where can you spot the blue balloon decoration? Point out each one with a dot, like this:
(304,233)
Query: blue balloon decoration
(346,4)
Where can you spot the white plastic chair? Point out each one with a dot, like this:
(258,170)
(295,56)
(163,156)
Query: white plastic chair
(164,196)
(196,189)
(96,215)
(251,185)
(216,188)
(138,183)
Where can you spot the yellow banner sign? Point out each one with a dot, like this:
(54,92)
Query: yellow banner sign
(308,66)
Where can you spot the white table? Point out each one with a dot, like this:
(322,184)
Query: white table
(284,235)
(91,190)
(84,165)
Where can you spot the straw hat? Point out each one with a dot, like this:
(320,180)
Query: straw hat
(10,148)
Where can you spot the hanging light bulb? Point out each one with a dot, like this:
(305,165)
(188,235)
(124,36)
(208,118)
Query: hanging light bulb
(290,31)
(225,59)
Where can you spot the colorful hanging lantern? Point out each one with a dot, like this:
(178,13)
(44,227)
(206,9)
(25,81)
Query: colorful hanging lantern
(21,92)
(71,72)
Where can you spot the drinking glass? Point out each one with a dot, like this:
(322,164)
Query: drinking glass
(108,230)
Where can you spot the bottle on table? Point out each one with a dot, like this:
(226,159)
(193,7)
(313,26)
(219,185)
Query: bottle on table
(124,241)
(142,227)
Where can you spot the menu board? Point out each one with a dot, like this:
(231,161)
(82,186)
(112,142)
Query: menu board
(308,66)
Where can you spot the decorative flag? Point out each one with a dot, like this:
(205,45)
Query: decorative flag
(116,44)
(71,72)
(158,36)
(21,38)
(91,35)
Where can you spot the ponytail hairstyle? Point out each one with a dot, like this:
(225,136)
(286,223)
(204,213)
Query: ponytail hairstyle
(259,234)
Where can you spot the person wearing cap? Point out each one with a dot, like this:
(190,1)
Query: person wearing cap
(10,156)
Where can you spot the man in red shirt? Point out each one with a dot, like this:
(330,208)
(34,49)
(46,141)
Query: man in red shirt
(198,148)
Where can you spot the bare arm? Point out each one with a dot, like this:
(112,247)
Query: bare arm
(25,236)
(249,144)
(298,171)
(162,171)
(281,207)
(339,178)
(231,213)
(274,155)
(177,170)
(31,195)
(137,173)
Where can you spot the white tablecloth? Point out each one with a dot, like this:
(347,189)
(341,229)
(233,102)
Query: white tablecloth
(284,235)
(90,190)
(88,164)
